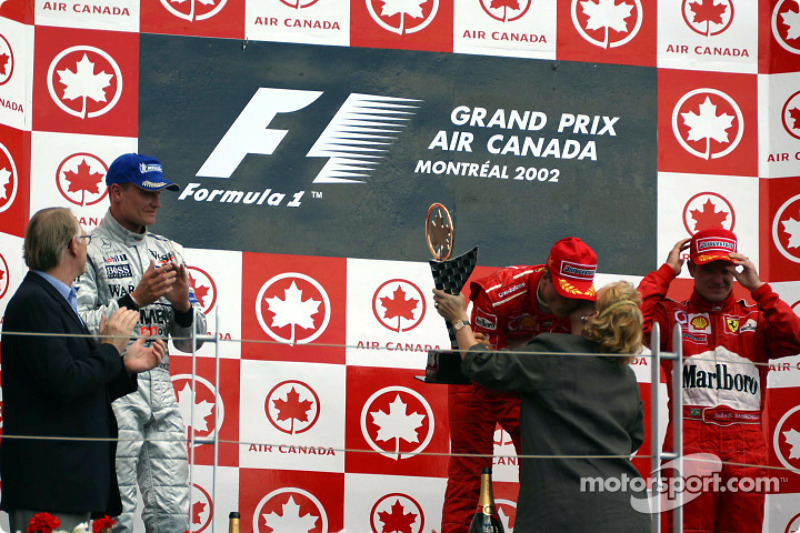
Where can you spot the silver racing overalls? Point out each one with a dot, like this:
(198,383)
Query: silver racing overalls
(152,445)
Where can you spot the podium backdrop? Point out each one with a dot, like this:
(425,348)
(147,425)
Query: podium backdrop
(309,138)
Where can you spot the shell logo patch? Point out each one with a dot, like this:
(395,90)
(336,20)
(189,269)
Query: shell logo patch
(699,323)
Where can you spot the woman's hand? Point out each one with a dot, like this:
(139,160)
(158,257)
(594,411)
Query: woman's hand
(451,307)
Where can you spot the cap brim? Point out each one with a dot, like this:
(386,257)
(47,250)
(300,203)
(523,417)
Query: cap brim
(170,187)
(569,288)
(702,259)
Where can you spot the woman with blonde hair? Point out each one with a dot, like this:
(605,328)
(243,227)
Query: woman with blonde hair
(581,416)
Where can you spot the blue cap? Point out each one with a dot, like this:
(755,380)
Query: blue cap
(142,170)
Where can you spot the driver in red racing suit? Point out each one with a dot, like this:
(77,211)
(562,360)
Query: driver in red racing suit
(726,347)
(510,306)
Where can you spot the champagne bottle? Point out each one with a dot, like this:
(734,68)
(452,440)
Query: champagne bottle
(485,519)
(233,522)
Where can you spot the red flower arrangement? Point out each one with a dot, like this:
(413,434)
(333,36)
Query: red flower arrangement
(47,523)
(43,523)
(103,525)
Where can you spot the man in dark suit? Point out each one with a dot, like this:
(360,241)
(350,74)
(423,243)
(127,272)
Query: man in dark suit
(59,430)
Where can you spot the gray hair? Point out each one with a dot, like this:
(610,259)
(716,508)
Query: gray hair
(48,233)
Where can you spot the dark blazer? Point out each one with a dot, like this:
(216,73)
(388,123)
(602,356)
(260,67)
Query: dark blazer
(57,387)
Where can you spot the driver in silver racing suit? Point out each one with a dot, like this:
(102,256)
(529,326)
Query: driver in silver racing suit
(151,431)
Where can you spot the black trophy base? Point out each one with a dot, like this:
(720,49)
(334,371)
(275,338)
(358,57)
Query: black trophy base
(444,367)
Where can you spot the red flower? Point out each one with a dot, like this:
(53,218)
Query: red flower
(43,523)
(102,525)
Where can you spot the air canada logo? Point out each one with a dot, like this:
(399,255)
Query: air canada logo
(293,308)
(399,305)
(292,407)
(607,23)
(3,276)
(790,115)
(786,25)
(707,123)
(397,422)
(9,179)
(397,512)
(786,439)
(204,288)
(79,179)
(197,407)
(786,229)
(84,81)
(506,512)
(193,10)
(708,210)
(299,4)
(794,524)
(6,60)
(403,16)
(506,10)
(708,17)
(505,452)
(202,508)
(290,510)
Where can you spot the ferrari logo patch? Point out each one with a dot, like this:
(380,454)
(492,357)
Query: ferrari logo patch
(733,324)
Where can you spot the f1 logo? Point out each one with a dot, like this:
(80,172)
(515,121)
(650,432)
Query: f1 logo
(249,135)
(363,126)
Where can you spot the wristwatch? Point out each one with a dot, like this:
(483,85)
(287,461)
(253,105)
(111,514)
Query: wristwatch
(458,324)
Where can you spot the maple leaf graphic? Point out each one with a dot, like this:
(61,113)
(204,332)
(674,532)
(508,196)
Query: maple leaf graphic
(396,424)
(4,60)
(292,408)
(200,291)
(794,113)
(2,274)
(709,217)
(606,14)
(198,508)
(290,521)
(792,227)
(5,178)
(793,439)
(708,125)
(398,306)
(709,12)
(506,5)
(192,4)
(83,180)
(397,520)
(84,83)
(412,8)
(202,410)
(292,310)
(792,19)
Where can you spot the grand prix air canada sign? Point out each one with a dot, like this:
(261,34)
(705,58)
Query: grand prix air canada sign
(310,137)
(347,148)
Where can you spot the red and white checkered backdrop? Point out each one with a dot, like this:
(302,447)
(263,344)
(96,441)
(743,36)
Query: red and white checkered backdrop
(309,138)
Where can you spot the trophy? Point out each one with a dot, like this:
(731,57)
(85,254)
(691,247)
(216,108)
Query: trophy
(450,275)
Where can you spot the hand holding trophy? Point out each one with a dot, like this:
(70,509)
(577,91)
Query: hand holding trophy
(449,275)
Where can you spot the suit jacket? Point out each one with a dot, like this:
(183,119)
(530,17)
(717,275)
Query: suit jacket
(57,387)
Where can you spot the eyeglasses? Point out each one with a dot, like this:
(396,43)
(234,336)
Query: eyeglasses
(85,237)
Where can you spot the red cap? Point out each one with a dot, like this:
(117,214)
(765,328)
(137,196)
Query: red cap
(572,266)
(714,244)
